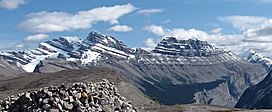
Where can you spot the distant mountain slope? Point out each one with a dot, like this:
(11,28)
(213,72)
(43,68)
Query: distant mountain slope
(258,96)
(175,72)
(9,68)
(254,57)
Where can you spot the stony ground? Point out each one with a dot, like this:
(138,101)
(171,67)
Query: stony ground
(94,97)
(34,82)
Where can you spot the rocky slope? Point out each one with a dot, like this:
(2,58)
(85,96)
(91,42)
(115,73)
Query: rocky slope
(8,67)
(258,96)
(28,83)
(217,78)
(175,68)
(35,81)
(95,97)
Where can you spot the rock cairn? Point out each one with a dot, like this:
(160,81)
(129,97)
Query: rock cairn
(87,97)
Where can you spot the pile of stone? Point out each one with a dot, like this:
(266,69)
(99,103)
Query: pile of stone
(88,97)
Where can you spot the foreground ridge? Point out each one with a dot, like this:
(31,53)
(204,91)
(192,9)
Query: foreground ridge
(98,97)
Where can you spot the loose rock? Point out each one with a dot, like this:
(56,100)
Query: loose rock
(98,97)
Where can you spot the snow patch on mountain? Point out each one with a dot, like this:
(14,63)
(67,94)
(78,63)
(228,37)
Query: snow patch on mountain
(252,56)
(89,57)
(72,48)
(30,67)
(71,39)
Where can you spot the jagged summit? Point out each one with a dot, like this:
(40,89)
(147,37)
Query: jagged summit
(190,47)
(108,41)
(85,51)
(97,46)
(247,55)
(252,56)
(173,67)
(95,36)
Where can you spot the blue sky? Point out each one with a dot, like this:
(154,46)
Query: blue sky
(233,24)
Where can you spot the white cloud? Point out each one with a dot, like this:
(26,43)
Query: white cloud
(11,4)
(37,37)
(157,30)
(45,22)
(255,29)
(150,11)
(182,34)
(217,30)
(224,41)
(244,22)
(121,28)
(149,44)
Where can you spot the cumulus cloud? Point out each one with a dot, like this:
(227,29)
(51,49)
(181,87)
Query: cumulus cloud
(149,44)
(11,4)
(45,22)
(121,28)
(182,34)
(257,32)
(255,29)
(157,30)
(244,22)
(150,11)
(37,37)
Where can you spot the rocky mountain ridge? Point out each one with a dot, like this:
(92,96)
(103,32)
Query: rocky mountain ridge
(193,68)
(191,47)
(252,56)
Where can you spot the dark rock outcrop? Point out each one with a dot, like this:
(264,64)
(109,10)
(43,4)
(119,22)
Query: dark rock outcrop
(258,96)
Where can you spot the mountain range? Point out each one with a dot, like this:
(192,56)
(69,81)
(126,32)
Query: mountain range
(259,95)
(174,72)
(252,56)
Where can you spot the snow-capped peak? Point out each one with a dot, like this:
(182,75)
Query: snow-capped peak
(248,54)
(97,47)
(71,39)
(252,56)
(71,48)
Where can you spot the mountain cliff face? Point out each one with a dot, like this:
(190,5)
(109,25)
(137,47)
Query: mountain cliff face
(258,96)
(175,72)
